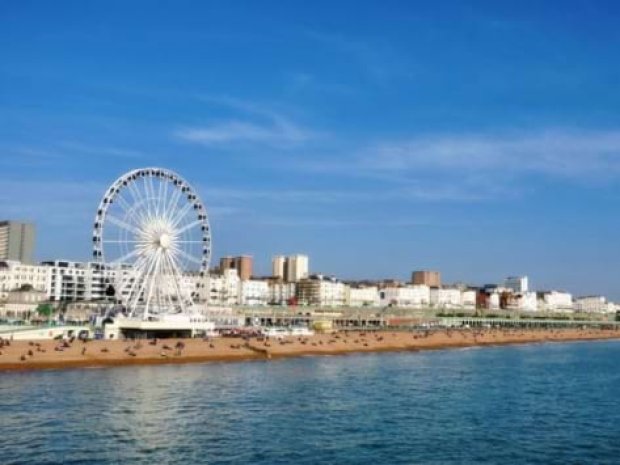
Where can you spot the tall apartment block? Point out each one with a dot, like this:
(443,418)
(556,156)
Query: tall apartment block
(426,277)
(278,267)
(16,241)
(297,268)
(518,284)
(243,264)
(290,269)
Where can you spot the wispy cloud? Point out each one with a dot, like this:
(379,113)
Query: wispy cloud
(565,153)
(253,123)
(105,151)
(277,132)
(412,191)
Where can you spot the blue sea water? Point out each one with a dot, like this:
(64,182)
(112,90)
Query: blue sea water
(528,404)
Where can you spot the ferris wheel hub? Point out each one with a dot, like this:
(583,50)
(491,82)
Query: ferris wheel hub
(164,241)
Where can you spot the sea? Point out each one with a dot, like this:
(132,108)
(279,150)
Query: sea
(553,403)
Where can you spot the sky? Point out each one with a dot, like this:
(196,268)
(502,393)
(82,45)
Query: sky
(478,138)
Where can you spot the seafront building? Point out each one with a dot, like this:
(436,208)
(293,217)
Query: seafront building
(411,296)
(555,301)
(426,278)
(594,304)
(291,269)
(17,241)
(82,286)
(519,284)
(322,291)
(242,264)
(363,296)
(15,275)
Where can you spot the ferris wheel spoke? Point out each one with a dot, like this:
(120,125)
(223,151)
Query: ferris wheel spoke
(138,198)
(188,226)
(126,257)
(160,194)
(174,200)
(164,198)
(156,267)
(122,241)
(133,286)
(145,281)
(122,224)
(187,256)
(178,281)
(128,209)
(147,196)
(179,216)
(152,196)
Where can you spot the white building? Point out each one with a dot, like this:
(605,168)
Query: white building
(296,268)
(321,290)
(278,267)
(528,302)
(518,284)
(468,298)
(446,297)
(21,304)
(223,289)
(82,281)
(363,296)
(415,296)
(281,292)
(554,301)
(254,292)
(14,275)
(593,304)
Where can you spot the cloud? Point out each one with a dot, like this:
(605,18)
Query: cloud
(561,153)
(412,191)
(106,151)
(274,133)
(254,123)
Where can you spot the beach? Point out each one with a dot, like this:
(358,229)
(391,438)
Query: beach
(50,354)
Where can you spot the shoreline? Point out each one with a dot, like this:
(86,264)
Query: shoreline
(45,355)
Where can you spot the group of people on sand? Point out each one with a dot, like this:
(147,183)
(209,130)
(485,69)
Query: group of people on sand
(4,343)
(336,341)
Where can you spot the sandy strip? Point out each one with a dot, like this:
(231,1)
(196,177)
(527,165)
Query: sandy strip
(26,355)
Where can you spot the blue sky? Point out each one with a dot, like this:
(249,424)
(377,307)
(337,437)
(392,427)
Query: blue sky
(478,138)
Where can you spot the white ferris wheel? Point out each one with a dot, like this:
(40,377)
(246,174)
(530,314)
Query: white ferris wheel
(153,229)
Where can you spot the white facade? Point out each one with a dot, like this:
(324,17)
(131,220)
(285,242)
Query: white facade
(518,284)
(446,297)
(468,298)
(493,301)
(593,304)
(82,281)
(415,296)
(223,289)
(21,304)
(555,301)
(277,267)
(254,292)
(528,302)
(363,296)
(322,291)
(296,268)
(14,275)
(280,292)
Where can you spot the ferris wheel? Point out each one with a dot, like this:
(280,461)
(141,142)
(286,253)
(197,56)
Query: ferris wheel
(152,228)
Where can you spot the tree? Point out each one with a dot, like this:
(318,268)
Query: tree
(45,310)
